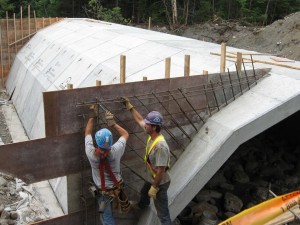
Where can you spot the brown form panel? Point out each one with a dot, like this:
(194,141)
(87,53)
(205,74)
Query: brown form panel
(42,159)
(61,113)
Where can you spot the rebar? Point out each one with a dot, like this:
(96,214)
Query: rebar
(223,88)
(184,113)
(165,128)
(216,100)
(173,119)
(246,74)
(237,73)
(230,81)
(190,105)
(253,69)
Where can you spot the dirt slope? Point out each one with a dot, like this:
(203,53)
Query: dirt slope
(282,38)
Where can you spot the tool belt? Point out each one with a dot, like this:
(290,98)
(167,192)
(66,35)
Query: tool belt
(114,193)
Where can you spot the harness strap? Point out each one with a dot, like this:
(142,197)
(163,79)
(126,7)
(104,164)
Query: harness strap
(148,151)
(105,164)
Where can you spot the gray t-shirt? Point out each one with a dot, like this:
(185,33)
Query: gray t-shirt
(159,156)
(114,157)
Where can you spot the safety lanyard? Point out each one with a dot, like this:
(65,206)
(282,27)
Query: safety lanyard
(148,151)
(105,164)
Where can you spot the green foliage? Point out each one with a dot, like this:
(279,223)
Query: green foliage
(202,12)
(46,8)
(5,5)
(157,12)
(254,11)
(97,11)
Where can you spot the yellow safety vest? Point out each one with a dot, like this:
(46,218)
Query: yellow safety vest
(148,151)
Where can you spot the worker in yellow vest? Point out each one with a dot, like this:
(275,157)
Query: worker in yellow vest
(157,159)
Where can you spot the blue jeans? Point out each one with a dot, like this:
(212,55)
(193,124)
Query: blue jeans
(107,216)
(161,202)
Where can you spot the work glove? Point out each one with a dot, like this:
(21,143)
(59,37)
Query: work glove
(127,103)
(109,117)
(152,192)
(93,111)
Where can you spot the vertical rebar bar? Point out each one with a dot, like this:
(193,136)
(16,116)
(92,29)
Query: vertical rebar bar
(214,93)
(223,89)
(230,81)
(239,79)
(246,74)
(207,100)
(253,69)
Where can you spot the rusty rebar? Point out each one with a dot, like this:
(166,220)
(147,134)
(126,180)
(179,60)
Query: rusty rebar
(173,119)
(246,74)
(191,105)
(230,81)
(165,128)
(216,100)
(184,112)
(223,89)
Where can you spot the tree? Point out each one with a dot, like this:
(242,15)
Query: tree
(97,11)
(5,5)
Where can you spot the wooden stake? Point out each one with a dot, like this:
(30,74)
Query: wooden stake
(122,69)
(15,30)
(168,67)
(21,21)
(239,59)
(205,72)
(43,22)
(49,20)
(69,86)
(28,21)
(2,67)
(223,58)
(261,61)
(8,51)
(98,82)
(35,21)
(187,65)
(144,78)
(149,23)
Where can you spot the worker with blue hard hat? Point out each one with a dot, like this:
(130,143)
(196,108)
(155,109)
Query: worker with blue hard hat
(105,163)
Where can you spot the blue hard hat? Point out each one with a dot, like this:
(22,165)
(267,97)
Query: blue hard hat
(104,138)
(154,118)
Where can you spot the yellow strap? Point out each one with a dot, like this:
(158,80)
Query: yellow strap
(148,151)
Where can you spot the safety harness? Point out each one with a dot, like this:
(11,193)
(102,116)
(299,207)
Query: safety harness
(105,164)
(148,151)
(122,199)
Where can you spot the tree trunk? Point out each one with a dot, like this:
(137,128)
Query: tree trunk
(168,14)
(174,12)
(266,13)
(186,7)
(250,4)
